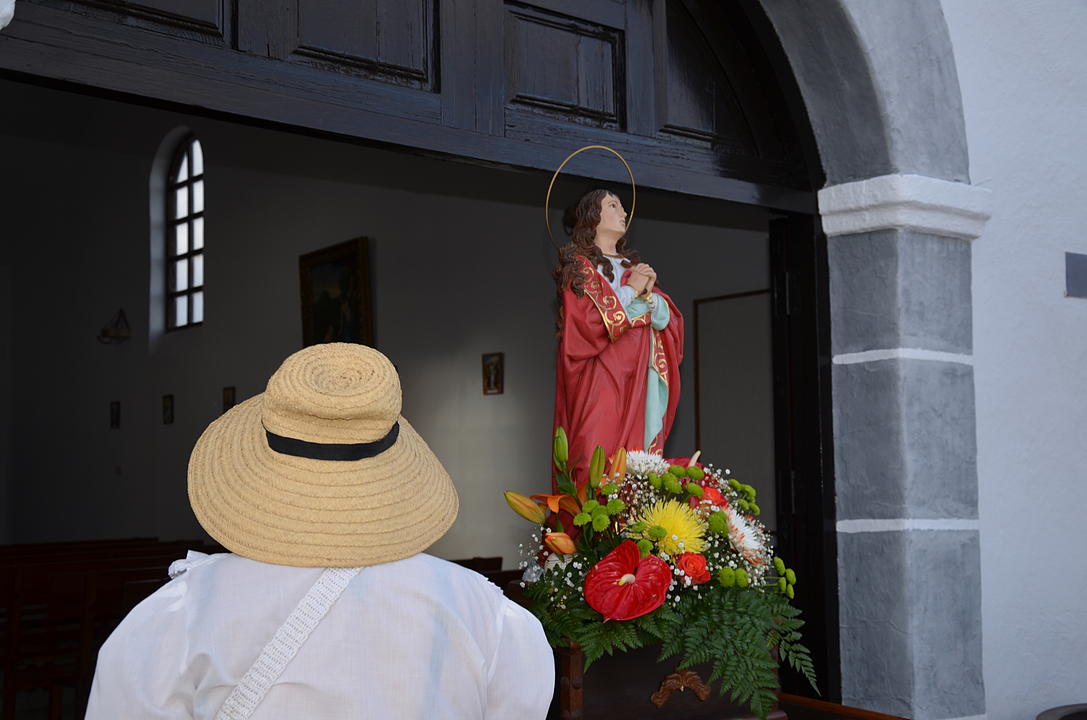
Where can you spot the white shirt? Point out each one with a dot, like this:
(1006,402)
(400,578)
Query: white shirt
(418,638)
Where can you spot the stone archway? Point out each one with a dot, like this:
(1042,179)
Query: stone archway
(881,90)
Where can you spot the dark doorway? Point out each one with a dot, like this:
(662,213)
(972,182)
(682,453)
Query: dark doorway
(697,94)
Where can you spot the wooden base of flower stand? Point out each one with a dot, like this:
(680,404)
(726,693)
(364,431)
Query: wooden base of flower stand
(621,687)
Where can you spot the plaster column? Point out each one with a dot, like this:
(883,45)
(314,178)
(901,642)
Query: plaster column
(905,443)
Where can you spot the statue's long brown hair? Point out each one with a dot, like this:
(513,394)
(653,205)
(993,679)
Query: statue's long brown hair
(583,244)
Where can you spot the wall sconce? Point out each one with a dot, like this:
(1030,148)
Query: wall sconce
(116,330)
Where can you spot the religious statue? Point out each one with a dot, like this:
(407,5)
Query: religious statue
(620,339)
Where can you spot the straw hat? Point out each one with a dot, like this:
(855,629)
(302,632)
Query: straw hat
(321,470)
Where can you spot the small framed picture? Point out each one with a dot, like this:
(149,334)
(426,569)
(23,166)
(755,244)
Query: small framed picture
(335,286)
(167,409)
(492,373)
(228,398)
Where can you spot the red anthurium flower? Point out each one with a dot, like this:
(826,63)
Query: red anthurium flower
(694,566)
(684,462)
(625,585)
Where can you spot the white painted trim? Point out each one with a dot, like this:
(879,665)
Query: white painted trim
(902,524)
(901,354)
(905,202)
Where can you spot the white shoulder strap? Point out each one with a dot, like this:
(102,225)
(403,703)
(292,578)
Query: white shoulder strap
(278,652)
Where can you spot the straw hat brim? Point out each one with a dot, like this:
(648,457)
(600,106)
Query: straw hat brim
(288,510)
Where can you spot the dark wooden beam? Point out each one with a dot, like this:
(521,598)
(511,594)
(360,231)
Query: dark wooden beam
(80,51)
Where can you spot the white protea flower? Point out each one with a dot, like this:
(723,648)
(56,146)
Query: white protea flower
(643,463)
(743,536)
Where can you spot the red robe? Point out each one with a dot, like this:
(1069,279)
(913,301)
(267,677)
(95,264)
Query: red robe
(604,362)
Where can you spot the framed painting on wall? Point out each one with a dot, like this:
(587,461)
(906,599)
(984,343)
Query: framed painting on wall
(492,373)
(335,289)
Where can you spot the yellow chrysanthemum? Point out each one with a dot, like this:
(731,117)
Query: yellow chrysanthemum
(682,527)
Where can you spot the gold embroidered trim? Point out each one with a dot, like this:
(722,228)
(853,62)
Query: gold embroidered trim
(615,320)
(659,364)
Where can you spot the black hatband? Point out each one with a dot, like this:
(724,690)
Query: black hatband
(327,451)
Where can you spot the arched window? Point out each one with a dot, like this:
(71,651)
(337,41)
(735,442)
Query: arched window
(185,237)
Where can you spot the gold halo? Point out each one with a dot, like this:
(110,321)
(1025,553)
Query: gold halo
(633,189)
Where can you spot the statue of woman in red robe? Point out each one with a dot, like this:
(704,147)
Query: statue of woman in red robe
(621,339)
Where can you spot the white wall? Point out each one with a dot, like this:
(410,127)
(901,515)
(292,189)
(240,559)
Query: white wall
(461,267)
(1021,70)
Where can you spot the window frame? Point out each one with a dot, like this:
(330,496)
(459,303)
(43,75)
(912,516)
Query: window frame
(184,154)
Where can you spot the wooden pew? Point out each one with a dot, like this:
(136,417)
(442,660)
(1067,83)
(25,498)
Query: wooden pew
(32,549)
(58,609)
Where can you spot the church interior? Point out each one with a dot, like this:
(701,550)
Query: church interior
(868,370)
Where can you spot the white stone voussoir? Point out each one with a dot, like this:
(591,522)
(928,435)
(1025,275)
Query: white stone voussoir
(905,202)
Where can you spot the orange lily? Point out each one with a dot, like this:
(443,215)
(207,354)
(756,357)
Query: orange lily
(557,502)
(619,464)
(527,509)
(560,543)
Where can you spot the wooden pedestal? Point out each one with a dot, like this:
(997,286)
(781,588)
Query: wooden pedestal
(620,687)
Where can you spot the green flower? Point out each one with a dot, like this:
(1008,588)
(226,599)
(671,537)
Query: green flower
(695,473)
(782,585)
(734,483)
(589,505)
(582,518)
(789,592)
(719,523)
(616,506)
(600,522)
(672,485)
(749,491)
(609,489)
(657,532)
(677,470)
(645,547)
(655,481)
(754,509)
(638,527)
(693,489)
(779,565)
(790,576)
(726,576)
(741,577)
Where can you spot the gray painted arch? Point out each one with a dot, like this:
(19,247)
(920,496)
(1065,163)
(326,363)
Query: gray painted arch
(881,91)
(880,86)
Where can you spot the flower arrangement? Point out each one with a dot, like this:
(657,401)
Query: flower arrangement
(659,551)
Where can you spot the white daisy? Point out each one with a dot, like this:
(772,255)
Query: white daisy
(643,463)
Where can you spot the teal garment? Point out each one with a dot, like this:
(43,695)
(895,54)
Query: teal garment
(656,390)
(656,400)
(639,307)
